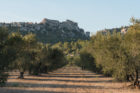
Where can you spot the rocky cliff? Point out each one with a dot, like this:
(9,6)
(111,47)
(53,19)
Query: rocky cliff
(50,31)
(122,30)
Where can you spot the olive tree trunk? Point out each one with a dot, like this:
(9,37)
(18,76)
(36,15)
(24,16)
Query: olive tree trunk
(136,79)
(21,76)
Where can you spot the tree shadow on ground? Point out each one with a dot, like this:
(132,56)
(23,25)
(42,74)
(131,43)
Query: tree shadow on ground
(3,90)
(72,76)
(74,81)
(30,85)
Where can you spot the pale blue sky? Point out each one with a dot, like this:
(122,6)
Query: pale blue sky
(92,15)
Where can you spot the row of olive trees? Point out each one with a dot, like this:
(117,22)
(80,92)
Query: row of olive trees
(5,55)
(115,54)
(24,53)
(70,49)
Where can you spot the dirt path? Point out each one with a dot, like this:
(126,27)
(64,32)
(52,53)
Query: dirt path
(65,80)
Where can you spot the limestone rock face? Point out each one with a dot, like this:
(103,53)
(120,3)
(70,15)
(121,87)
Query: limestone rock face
(44,21)
(70,25)
(122,30)
(50,31)
(51,23)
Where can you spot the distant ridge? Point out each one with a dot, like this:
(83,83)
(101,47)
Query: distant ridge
(50,31)
(122,30)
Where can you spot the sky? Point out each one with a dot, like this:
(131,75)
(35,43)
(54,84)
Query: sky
(91,15)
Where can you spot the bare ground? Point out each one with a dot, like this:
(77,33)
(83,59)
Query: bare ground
(65,80)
